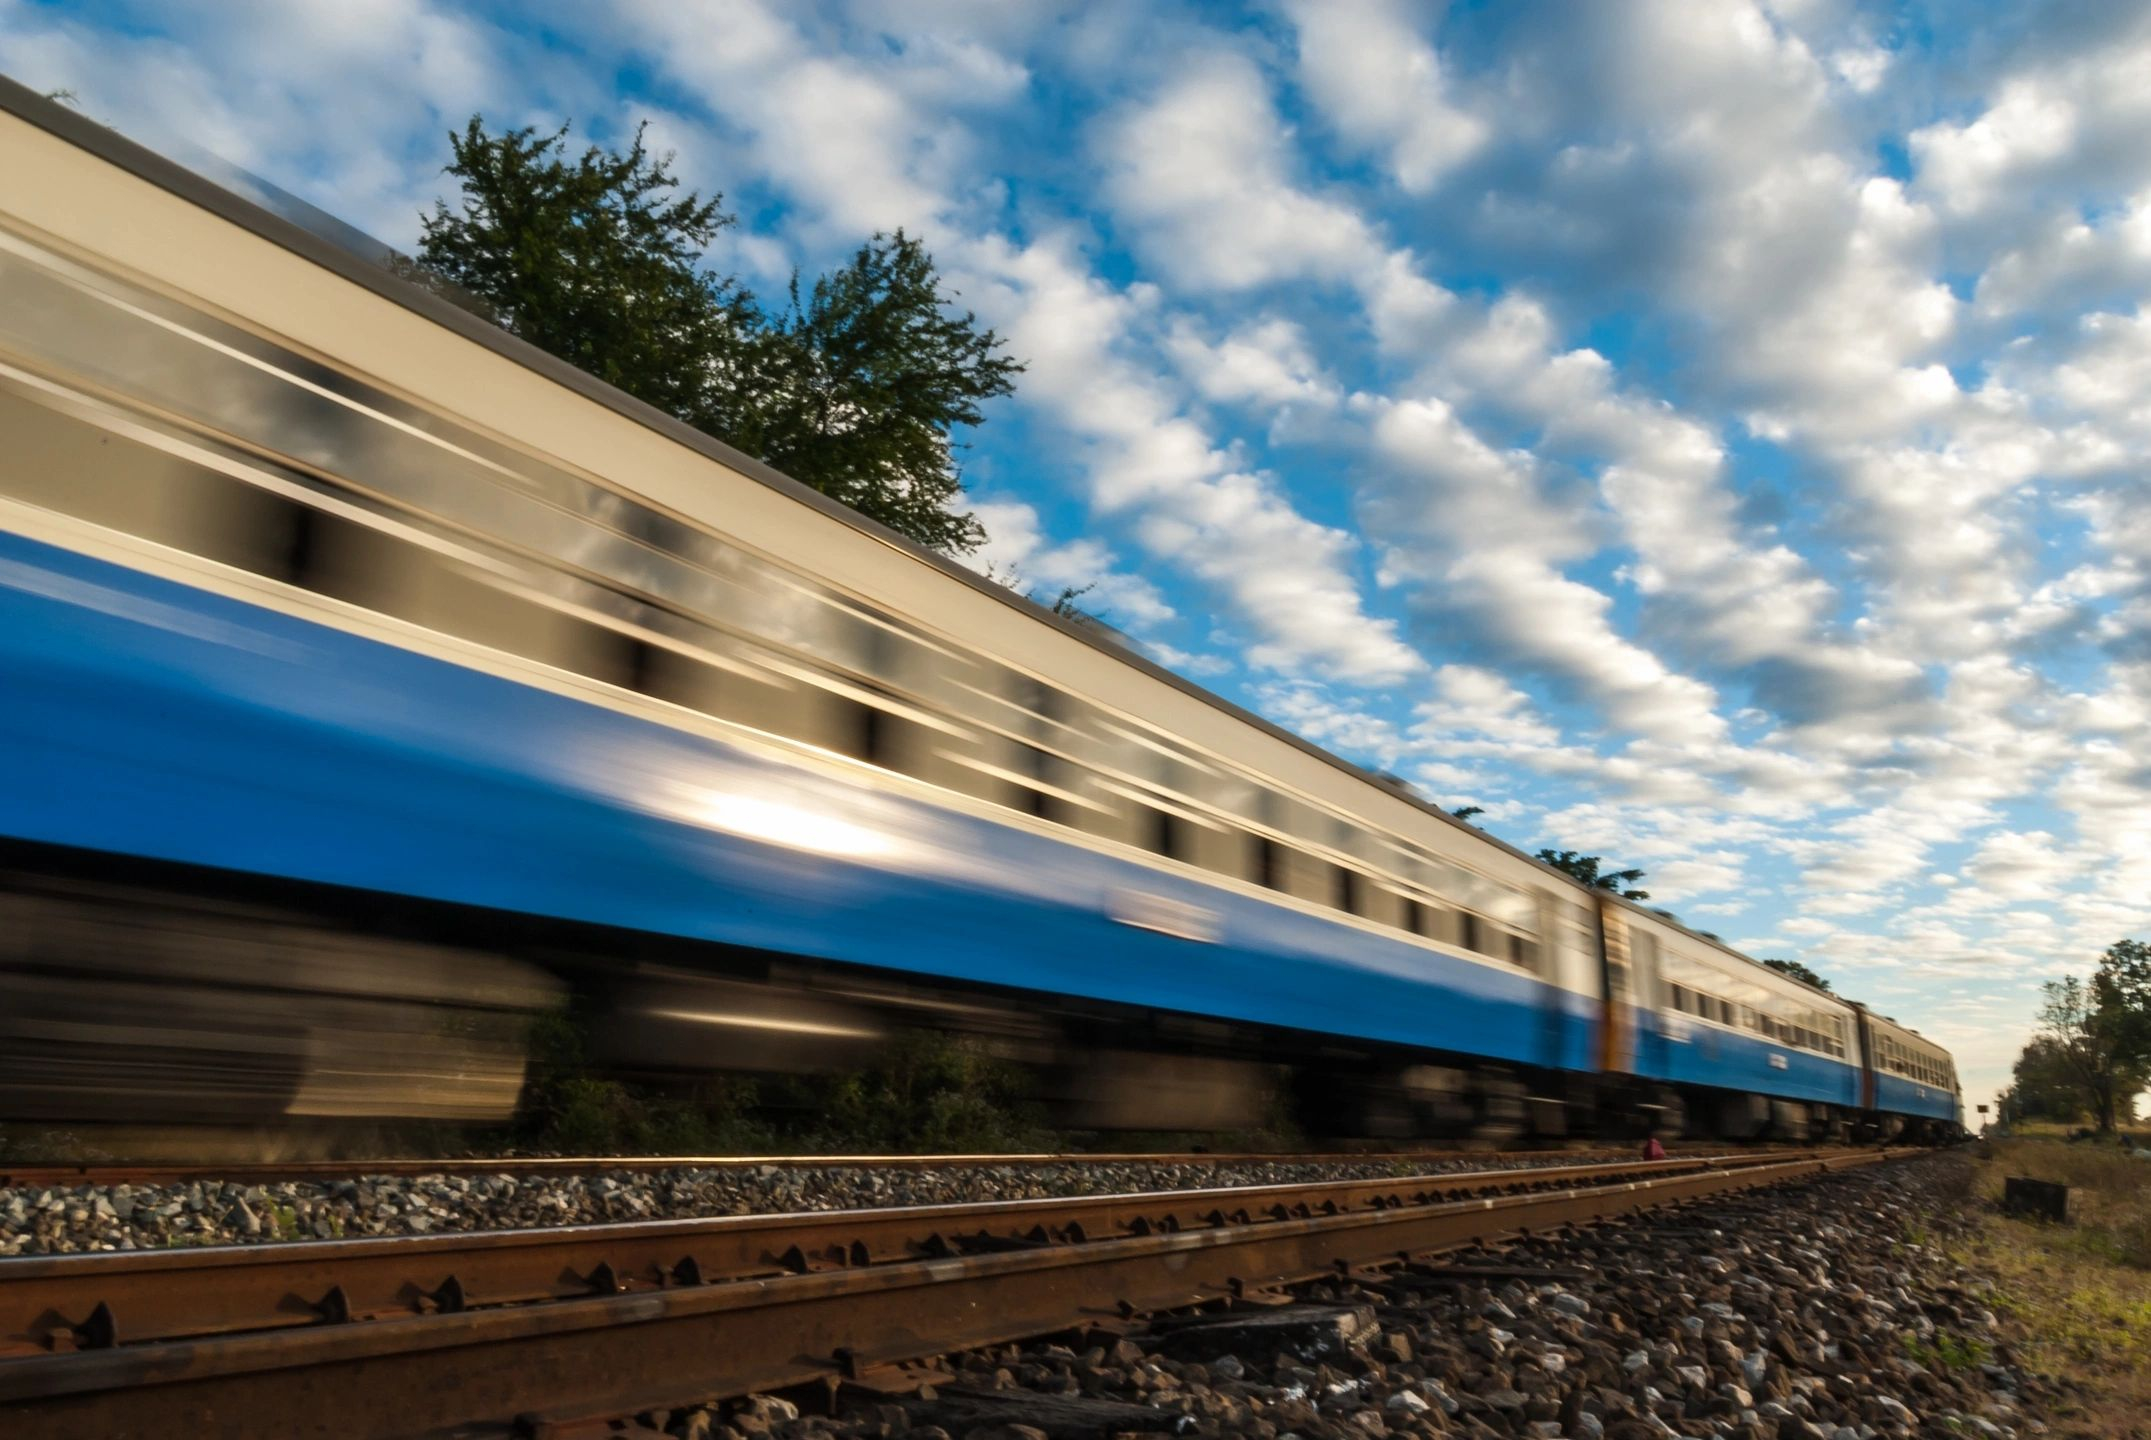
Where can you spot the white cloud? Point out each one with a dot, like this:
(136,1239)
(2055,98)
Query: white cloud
(1471,527)
(1367,67)
(1201,172)
(1018,554)
(1265,364)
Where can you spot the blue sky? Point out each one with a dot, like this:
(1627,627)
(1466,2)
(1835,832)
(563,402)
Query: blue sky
(1707,434)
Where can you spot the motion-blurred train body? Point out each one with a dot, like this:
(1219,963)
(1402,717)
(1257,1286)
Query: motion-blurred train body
(373,680)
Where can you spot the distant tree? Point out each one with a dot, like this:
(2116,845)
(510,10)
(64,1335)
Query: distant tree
(1798,972)
(2090,1039)
(1064,604)
(1465,812)
(1585,868)
(855,388)
(2044,1085)
(2122,985)
(1061,602)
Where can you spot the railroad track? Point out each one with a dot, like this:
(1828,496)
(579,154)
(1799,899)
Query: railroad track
(159,1172)
(560,1332)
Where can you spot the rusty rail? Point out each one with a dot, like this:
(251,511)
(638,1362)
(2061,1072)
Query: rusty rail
(674,1336)
(97,1300)
(262,1172)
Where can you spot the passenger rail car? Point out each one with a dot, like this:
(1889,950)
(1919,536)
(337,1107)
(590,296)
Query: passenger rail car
(324,590)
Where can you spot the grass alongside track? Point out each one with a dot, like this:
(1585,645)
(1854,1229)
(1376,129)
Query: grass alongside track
(2076,1299)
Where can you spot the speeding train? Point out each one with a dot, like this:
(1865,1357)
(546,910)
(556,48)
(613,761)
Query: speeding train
(375,683)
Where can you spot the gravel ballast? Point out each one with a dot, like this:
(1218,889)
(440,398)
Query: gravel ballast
(60,1220)
(1819,1311)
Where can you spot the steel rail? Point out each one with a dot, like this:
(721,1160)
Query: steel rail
(87,1301)
(256,1172)
(556,1365)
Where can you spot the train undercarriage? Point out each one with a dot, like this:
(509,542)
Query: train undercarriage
(143,994)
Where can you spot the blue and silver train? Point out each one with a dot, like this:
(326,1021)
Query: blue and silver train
(374,680)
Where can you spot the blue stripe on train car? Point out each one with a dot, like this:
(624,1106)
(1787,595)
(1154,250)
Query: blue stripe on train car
(1733,1061)
(1898,1096)
(149,718)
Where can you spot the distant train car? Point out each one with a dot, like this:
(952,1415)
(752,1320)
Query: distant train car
(320,594)
(1911,1082)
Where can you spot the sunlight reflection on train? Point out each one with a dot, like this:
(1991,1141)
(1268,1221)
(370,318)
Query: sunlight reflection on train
(797,827)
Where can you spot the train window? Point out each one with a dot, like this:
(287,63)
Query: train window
(1269,862)
(1164,832)
(1347,896)
(1441,923)
(1381,903)
(1525,952)
(1415,916)
(1471,931)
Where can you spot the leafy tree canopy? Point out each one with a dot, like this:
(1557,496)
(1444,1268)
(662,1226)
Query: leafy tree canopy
(594,259)
(1798,972)
(1585,868)
(2091,1038)
(862,381)
(2122,985)
(856,387)
(2044,1086)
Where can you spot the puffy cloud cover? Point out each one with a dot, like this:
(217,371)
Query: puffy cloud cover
(1710,434)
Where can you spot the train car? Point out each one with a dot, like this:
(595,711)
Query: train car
(1909,1083)
(326,601)
(1731,1046)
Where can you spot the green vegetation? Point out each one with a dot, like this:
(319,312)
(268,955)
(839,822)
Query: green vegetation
(1585,868)
(856,386)
(1798,972)
(2092,1052)
(926,1092)
(923,1092)
(2074,1300)
(1946,1351)
(571,1110)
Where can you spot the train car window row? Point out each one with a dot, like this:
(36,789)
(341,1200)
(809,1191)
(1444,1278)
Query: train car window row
(714,629)
(1809,1030)
(1928,1067)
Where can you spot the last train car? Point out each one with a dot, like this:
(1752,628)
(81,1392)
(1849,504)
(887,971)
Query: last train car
(1911,1082)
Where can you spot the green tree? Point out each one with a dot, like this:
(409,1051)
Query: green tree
(2044,1085)
(1585,868)
(1465,812)
(2091,1041)
(594,259)
(855,388)
(860,386)
(1798,972)
(2122,984)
